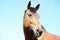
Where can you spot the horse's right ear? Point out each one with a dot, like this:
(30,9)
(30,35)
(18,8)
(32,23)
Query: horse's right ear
(29,5)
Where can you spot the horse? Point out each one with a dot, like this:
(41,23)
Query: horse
(33,30)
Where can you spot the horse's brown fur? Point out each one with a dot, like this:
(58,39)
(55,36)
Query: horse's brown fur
(31,24)
(48,36)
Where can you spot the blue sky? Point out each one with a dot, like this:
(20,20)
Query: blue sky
(11,17)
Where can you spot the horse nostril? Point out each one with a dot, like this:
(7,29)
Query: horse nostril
(37,30)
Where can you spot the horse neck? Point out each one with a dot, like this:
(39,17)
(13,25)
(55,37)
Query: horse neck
(28,34)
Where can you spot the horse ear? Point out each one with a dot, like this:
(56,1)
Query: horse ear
(37,7)
(29,5)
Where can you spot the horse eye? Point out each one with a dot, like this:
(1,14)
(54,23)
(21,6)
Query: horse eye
(29,14)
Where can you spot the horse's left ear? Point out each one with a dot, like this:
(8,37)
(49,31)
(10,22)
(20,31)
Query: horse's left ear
(37,7)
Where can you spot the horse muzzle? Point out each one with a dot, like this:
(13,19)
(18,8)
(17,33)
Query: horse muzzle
(38,33)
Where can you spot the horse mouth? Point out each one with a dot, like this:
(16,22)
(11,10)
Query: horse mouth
(36,34)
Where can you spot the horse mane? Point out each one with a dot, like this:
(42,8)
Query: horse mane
(43,27)
(28,34)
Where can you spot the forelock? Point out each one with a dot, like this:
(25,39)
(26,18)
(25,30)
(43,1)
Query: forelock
(32,9)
